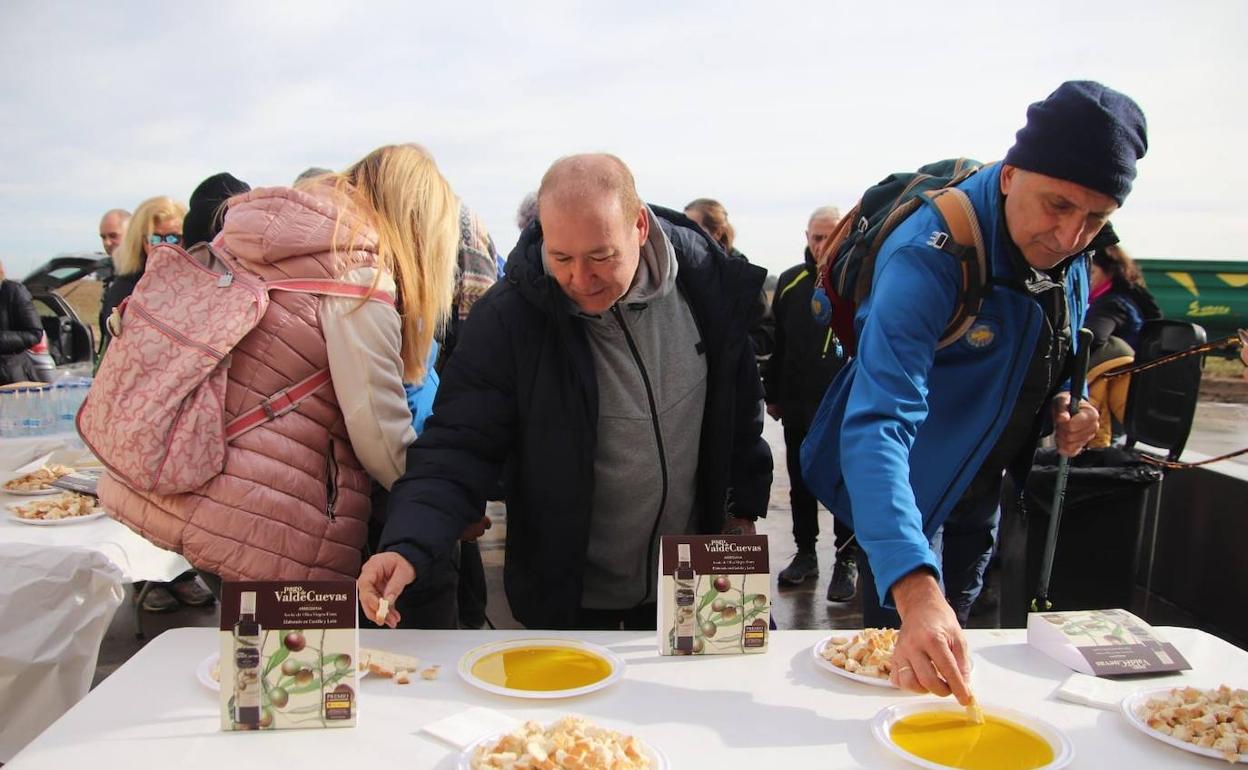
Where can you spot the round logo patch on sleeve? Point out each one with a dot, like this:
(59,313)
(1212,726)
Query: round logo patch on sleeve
(981,334)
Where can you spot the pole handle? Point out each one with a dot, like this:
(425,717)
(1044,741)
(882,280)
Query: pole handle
(1083,349)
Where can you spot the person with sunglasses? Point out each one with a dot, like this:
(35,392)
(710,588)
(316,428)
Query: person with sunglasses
(157,220)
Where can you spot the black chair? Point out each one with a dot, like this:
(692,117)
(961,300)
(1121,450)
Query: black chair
(1161,405)
(1161,402)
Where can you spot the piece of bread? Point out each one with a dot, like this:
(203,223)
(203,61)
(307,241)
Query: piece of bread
(384,663)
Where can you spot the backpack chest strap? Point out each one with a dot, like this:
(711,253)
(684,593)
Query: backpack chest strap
(288,399)
(275,406)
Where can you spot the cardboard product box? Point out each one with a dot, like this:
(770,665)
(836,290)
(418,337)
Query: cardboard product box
(1103,642)
(288,655)
(713,594)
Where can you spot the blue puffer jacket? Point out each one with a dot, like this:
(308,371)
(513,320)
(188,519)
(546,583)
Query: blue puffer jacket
(904,428)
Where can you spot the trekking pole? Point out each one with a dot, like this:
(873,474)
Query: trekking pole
(1041,601)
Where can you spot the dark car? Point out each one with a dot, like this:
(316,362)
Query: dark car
(67,339)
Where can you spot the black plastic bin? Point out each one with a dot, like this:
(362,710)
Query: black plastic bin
(1101,539)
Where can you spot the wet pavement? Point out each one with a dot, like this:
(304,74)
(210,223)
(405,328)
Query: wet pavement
(1219,429)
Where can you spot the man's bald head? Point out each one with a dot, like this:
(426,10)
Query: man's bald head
(113,229)
(577,178)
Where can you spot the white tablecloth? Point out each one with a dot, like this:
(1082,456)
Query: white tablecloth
(54,609)
(137,558)
(772,711)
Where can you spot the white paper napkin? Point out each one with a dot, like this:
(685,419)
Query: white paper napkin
(467,727)
(1107,694)
(33,465)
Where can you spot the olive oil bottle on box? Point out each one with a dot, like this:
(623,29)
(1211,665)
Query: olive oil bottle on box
(247,662)
(684,577)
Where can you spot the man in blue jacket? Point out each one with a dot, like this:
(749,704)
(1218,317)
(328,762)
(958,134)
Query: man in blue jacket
(608,380)
(920,437)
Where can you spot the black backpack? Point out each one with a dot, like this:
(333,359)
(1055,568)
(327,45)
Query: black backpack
(847,263)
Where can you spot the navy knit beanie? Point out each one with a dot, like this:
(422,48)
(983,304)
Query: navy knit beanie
(1084,133)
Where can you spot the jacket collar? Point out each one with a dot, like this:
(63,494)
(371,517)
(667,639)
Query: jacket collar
(702,272)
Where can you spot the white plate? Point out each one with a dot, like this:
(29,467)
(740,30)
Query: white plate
(1133,703)
(882,725)
(658,760)
(30,492)
(203,672)
(95,514)
(470,658)
(826,665)
(33,493)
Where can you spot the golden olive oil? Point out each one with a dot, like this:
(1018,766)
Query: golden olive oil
(541,668)
(949,738)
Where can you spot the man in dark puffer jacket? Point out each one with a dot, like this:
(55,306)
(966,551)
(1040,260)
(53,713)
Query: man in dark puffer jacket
(609,380)
(805,358)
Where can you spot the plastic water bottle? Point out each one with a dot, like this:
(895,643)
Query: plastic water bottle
(8,414)
(64,407)
(23,411)
(80,395)
(47,409)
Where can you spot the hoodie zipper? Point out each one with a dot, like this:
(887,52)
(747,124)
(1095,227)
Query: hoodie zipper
(658,437)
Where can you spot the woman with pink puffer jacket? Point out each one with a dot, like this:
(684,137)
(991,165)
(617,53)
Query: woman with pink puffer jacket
(293,500)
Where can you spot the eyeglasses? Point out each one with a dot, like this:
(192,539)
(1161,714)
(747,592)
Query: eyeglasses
(156,240)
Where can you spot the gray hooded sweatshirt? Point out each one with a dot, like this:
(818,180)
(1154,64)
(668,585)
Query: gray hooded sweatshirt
(651,397)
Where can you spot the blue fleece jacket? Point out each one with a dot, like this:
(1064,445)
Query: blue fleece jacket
(904,428)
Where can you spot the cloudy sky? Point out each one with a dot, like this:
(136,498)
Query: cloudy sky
(774,108)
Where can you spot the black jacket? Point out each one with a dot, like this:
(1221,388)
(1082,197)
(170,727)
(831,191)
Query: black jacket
(805,357)
(20,330)
(116,290)
(518,401)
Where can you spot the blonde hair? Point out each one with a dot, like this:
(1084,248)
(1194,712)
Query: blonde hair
(130,256)
(398,190)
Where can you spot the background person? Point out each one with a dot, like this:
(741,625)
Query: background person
(803,362)
(156,220)
(1120,303)
(20,330)
(113,229)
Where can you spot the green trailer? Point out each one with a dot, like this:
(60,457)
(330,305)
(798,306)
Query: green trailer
(1213,294)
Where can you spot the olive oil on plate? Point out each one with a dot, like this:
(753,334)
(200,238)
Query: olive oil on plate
(541,668)
(948,738)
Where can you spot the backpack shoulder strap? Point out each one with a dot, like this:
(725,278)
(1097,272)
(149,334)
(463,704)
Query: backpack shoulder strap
(965,241)
(288,399)
(330,288)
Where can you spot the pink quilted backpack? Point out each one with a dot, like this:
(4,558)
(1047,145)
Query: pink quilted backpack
(155,414)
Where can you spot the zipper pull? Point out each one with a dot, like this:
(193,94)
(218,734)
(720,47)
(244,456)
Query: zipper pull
(225,280)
